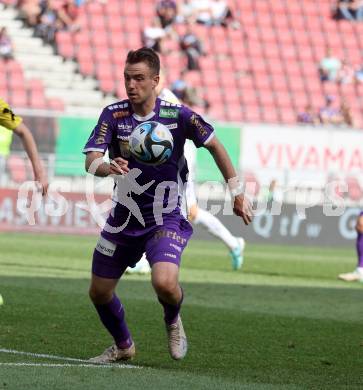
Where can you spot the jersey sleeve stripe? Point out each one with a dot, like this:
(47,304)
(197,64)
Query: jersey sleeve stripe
(208,139)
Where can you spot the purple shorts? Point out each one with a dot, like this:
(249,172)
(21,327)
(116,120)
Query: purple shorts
(161,243)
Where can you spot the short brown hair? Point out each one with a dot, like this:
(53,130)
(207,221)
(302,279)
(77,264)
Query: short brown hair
(144,54)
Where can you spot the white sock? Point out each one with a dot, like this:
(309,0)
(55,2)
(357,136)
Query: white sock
(360,270)
(215,227)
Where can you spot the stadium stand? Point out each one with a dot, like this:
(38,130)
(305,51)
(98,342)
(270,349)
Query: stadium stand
(44,81)
(266,71)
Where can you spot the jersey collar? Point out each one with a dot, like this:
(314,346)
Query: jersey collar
(148,116)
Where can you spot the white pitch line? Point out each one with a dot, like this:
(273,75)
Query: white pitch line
(90,365)
(54,357)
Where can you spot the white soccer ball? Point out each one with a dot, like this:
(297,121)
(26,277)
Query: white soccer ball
(151,143)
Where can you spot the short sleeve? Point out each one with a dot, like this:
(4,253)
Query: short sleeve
(7,118)
(101,135)
(197,129)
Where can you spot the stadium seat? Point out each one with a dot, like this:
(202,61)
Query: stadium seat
(17,169)
(18,98)
(55,104)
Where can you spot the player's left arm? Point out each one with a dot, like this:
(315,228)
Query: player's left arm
(31,150)
(241,205)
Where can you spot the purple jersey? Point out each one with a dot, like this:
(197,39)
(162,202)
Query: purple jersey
(112,133)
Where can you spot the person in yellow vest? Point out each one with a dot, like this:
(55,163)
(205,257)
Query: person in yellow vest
(6,137)
(15,124)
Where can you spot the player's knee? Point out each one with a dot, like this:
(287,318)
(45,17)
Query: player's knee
(165,286)
(192,213)
(99,295)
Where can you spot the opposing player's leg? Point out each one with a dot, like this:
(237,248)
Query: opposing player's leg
(214,226)
(107,268)
(357,274)
(164,251)
(142,267)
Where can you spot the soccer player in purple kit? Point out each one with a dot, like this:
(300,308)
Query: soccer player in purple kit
(357,274)
(132,227)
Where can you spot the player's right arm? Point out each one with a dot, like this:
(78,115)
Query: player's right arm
(101,168)
(202,134)
(96,146)
(15,123)
(30,147)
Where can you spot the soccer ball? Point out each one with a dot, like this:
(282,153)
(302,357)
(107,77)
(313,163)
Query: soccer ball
(151,143)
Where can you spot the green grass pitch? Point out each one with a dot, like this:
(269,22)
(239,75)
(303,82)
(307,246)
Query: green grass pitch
(284,322)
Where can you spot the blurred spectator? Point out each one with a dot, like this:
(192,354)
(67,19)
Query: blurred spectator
(346,113)
(6,46)
(222,14)
(186,12)
(359,10)
(272,195)
(166,10)
(350,10)
(67,14)
(30,11)
(308,116)
(188,95)
(48,21)
(346,73)
(153,35)
(203,11)
(329,115)
(359,75)
(329,67)
(192,48)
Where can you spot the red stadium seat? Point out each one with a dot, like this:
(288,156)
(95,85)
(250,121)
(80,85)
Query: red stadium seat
(234,112)
(18,98)
(55,104)
(253,114)
(270,114)
(17,168)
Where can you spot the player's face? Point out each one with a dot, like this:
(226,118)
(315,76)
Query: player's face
(140,82)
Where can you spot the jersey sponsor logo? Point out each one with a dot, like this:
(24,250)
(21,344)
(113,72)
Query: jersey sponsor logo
(101,136)
(176,247)
(105,247)
(195,121)
(118,106)
(120,114)
(169,113)
(123,137)
(170,255)
(123,126)
(172,126)
(169,234)
(168,104)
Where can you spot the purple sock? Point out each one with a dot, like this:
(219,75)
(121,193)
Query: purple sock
(360,249)
(171,311)
(112,315)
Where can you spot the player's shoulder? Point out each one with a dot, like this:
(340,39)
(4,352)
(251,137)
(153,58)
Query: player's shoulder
(119,109)
(170,110)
